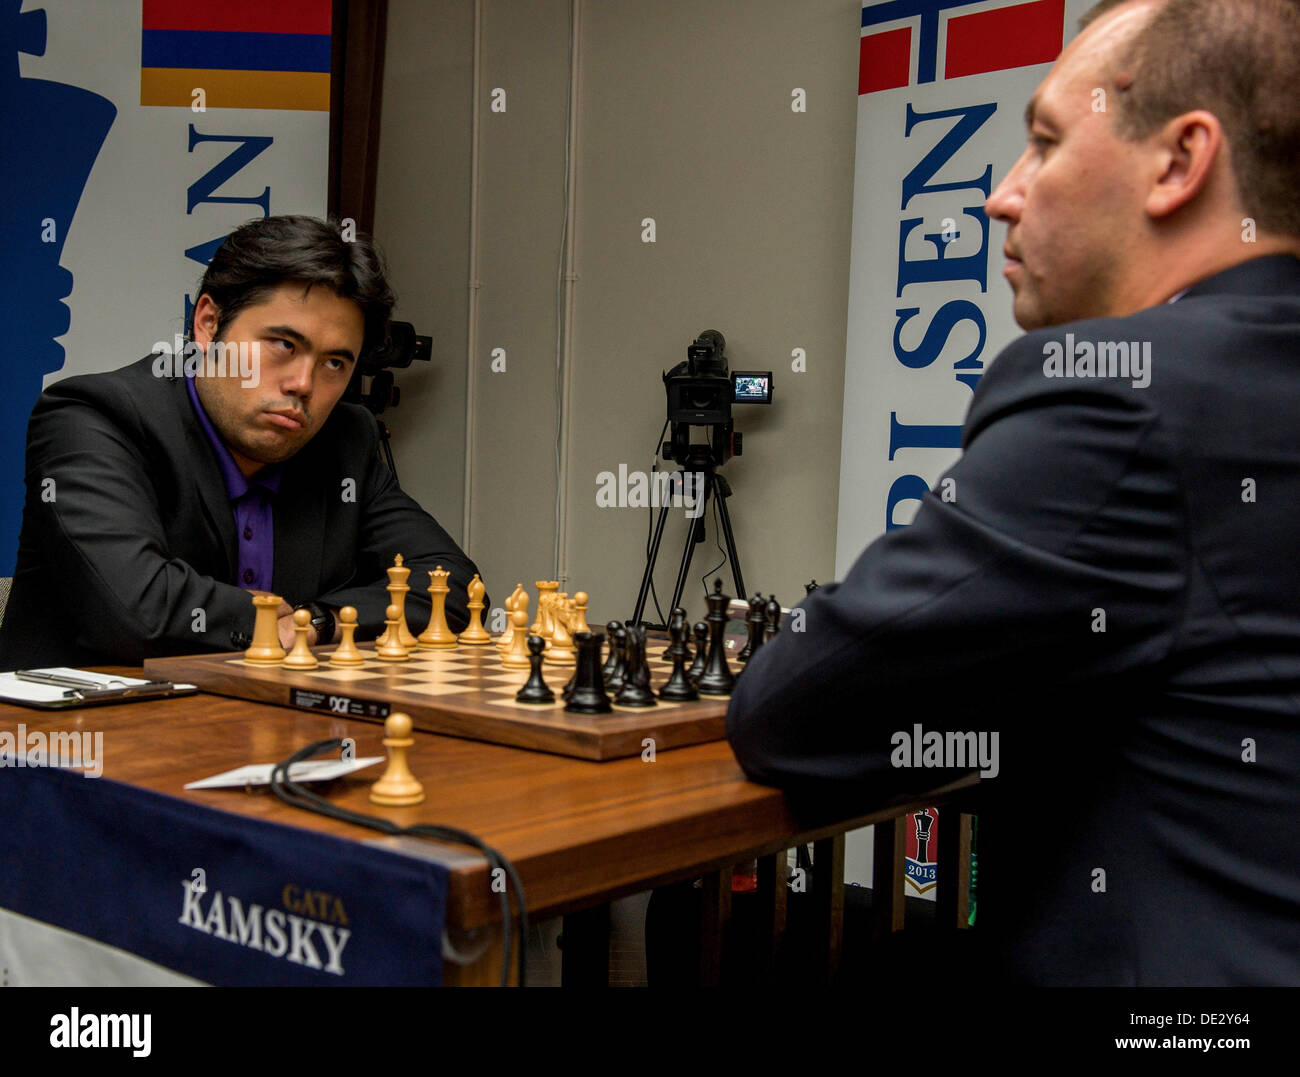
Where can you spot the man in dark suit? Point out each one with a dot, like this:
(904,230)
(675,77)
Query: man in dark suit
(162,495)
(1106,592)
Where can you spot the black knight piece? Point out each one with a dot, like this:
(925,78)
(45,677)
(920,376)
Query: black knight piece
(679,688)
(611,664)
(636,684)
(615,678)
(717,678)
(588,695)
(535,690)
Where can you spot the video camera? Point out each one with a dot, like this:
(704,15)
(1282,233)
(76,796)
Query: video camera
(701,392)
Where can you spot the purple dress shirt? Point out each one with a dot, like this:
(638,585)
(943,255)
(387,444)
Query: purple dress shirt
(252,502)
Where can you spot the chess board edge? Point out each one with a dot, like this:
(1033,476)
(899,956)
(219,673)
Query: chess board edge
(619,734)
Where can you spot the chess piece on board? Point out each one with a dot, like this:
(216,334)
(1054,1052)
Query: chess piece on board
(517,656)
(810,587)
(615,679)
(561,652)
(535,690)
(678,617)
(347,654)
(398,787)
(512,603)
(475,635)
(679,688)
(389,649)
(701,652)
(611,663)
(773,625)
(717,678)
(301,657)
(755,620)
(397,590)
(266,649)
(438,636)
(580,614)
(636,690)
(588,695)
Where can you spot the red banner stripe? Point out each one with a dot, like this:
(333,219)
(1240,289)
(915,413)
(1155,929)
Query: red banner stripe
(249,16)
(885,60)
(1016,36)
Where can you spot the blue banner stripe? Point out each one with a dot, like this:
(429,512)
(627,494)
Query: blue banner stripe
(227,51)
(269,905)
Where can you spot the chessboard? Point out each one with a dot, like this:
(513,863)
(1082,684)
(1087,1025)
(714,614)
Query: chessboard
(461,692)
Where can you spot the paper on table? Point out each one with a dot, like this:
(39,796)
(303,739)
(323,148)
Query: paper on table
(311,770)
(33,692)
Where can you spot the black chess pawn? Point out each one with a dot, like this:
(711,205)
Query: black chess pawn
(717,678)
(754,621)
(773,625)
(679,688)
(588,695)
(535,690)
(618,655)
(701,652)
(636,690)
(611,663)
(684,643)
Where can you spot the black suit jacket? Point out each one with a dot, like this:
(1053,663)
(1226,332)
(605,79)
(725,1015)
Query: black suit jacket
(128,545)
(1112,585)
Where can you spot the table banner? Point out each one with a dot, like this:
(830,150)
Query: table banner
(221,897)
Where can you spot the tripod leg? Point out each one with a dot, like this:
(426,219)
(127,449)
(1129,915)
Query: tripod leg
(736,578)
(694,534)
(650,566)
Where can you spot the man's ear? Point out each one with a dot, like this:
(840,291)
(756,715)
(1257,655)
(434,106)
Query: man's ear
(1190,148)
(207,318)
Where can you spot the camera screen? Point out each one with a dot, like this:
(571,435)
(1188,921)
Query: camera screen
(752,386)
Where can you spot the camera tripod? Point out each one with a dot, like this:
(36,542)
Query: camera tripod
(715,486)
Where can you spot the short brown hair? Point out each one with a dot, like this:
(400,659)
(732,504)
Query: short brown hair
(1239,59)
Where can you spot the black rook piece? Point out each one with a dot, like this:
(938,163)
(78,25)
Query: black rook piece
(754,621)
(701,652)
(636,685)
(535,690)
(588,695)
(717,679)
(679,688)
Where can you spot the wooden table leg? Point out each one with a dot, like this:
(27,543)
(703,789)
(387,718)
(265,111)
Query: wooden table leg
(715,912)
(889,844)
(952,900)
(828,898)
(584,953)
(772,872)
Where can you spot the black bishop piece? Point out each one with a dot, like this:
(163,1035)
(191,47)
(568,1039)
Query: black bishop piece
(773,625)
(679,688)
(717,678)
(701,652)
(754,621)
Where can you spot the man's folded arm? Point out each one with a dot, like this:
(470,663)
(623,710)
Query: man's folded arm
(1053,558)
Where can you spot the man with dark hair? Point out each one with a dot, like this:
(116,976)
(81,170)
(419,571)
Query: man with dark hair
(162,495)
(1110,598)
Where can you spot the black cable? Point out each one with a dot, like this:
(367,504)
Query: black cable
(650,519)
(717,530)
(297,796)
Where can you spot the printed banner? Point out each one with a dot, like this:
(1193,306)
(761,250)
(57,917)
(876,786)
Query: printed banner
(137,135)
(220,897)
